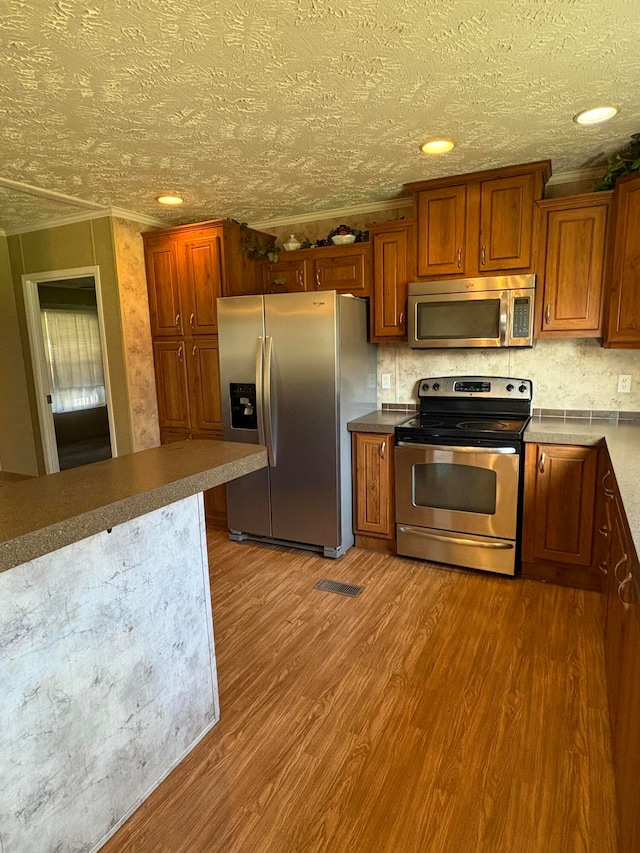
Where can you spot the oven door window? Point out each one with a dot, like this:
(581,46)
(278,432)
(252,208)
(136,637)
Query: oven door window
(465,488)
(461,319)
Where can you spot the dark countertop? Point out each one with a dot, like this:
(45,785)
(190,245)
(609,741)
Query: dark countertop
(42,514)
(622,441)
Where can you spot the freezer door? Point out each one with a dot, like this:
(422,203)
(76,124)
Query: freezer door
(241,340)
(301,414)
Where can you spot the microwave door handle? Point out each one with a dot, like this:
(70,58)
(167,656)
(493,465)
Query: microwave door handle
(505,302)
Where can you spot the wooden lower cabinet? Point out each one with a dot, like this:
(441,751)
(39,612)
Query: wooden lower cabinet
(373,485)
(559,514)
(622,658)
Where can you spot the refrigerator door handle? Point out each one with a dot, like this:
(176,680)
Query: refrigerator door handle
(268,415)
(259,389)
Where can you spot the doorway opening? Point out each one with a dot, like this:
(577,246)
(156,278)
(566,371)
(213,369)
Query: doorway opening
(68,353)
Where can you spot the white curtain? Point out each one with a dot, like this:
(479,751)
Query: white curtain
(72,339)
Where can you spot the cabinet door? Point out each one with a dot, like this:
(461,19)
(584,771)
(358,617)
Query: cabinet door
(163,282)
(572,267)
(204,383)
(506,223)
(171,384)
(293,273)
(346,270)
(565,501)
(203,283)
(441,231)
(373,484)
(391,265)
(623,326)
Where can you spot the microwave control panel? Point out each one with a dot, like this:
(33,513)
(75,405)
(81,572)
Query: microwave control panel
(520,318)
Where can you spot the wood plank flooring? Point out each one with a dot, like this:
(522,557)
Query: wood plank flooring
(439,712)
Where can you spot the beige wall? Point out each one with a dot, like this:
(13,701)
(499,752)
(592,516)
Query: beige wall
(136,327)
(17,448)
(80,244)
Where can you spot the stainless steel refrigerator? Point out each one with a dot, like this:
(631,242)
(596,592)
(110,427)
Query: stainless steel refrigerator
(294,369)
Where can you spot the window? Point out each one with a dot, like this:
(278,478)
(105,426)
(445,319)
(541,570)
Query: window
(72,340)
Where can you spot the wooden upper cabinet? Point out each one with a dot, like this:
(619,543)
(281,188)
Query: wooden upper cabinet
(478,224)
(573,239)
(203,283)
(288,275)
(346,269)
(622,328)
(393,268)
(165,303)
(506,223)
(441,237)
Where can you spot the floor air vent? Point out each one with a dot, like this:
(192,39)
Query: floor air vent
(341,588)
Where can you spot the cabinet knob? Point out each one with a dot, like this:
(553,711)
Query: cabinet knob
(483,256)
(608,492)
(603,531)
(383,449)
(541,461)
(180,352)
(192,320)
(460,259)
(547,314)
(194,350)
(622,585)
(603,567)
(401,320)
(177,319)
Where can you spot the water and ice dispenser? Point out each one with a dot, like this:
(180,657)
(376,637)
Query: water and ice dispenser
(243,405)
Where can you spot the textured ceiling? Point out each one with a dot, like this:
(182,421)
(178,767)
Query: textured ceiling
(260,109)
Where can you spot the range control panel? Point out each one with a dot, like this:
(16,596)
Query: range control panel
(482,387)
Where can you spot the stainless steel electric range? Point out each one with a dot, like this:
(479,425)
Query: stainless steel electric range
(459,472)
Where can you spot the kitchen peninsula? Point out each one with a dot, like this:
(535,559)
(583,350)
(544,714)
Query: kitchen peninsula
(108,665)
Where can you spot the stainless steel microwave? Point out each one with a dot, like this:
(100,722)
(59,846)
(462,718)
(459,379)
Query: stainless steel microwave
(472,312)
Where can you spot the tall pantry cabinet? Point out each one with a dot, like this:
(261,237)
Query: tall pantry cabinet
(188,268)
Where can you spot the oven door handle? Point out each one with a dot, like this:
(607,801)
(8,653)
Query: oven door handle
(456,540)
(451,448)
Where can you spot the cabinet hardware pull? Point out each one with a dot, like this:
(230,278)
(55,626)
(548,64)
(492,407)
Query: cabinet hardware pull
(401,323)
(622,560)
(192,319)
(622,585)
(383,449)
(460,259)
(177,323)
(547,314)
(608,492)
(543,459)
(180,352)
(483,256)
(603,567)
(604,530)
(194,350)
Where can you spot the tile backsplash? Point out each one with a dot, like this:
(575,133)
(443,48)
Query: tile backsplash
(573,374)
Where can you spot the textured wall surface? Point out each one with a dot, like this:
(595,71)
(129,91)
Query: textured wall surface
(108,677)
(262,108)
(569,374)
(136,333)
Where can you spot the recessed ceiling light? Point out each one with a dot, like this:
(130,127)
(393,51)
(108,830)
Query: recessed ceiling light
(596,115)
(168,198)
(437,146)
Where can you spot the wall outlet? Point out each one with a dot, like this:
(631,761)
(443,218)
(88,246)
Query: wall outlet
(624,383)
(385,380)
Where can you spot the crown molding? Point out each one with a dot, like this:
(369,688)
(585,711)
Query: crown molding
(114,212)
(334,213)
(579,175)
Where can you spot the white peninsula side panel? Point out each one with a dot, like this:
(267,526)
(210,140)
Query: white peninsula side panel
(107,677)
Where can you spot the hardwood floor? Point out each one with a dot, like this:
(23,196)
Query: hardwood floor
(438,712)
